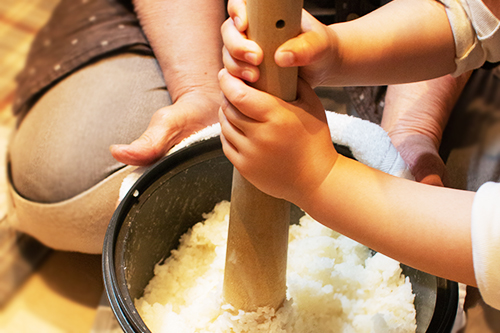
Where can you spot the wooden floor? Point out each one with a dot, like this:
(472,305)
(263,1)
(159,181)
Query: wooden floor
(62,296)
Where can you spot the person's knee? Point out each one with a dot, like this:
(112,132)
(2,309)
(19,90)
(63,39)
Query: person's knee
(61,148)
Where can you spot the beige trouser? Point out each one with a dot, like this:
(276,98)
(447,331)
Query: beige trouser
(63,181)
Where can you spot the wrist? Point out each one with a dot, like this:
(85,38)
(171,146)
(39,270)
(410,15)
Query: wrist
(193,84)
(208,97)
(321,203)
(308,193)
(421,154)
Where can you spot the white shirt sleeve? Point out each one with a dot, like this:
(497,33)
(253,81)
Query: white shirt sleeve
(476,32)
(485,230)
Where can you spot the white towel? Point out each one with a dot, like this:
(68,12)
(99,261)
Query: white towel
(369,144)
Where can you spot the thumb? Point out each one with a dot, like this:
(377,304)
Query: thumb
(145,150)
(306,48)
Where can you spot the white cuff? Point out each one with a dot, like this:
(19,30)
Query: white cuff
(476,33)
(485,232)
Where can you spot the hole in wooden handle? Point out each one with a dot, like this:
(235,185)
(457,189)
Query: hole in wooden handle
(280,24)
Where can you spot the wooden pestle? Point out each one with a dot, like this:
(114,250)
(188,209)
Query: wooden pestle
(255,271)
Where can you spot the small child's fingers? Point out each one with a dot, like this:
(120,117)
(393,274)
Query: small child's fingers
(238,120)
(227,128)
(302,50)
(229,149)
(308,100)
(239,68)
(231,139)
(249,101)
(306,47)
(237,11)
(238,46)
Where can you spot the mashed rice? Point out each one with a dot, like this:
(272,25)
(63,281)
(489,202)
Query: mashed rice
(334,285)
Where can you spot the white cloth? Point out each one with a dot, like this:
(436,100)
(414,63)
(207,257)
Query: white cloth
(476,32)
(485,233)
(368,142)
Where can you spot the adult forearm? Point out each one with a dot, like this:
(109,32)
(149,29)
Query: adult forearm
(185,37)
(415,116)
(403,41)
(427,227)
(423,106)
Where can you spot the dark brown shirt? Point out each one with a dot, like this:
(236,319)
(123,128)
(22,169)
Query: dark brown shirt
(78,32)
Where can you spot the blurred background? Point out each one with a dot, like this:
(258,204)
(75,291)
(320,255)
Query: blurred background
(63,292)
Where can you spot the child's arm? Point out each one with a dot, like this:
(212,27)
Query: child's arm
(287,152)
(403,41)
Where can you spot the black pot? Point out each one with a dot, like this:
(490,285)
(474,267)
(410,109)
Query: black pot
(171,197)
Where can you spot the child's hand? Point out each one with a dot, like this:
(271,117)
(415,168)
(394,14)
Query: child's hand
(314,50)
(284,149)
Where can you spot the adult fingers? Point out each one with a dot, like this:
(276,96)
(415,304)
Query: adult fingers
(145,150)
(429,169)
(422,157)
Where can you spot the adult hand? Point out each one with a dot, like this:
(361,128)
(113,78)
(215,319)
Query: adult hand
(169,126)
(188,52)
(284,149)
(415,116)
(421,154)
(314,49)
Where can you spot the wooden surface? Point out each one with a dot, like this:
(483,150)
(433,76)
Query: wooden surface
(61,296)
(255,271)
(270,24)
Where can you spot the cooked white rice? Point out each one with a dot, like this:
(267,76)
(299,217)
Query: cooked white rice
(334,285)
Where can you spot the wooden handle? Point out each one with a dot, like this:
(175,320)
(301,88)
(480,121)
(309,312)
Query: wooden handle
(270,24)
(255,272)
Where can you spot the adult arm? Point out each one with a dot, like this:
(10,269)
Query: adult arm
(415,115)
(185,37)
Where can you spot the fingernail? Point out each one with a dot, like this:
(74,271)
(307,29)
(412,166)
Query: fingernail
(286,58)
(116,146)
(251,58)
(224,101)
(237,23)
(248,75)
(221,72)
